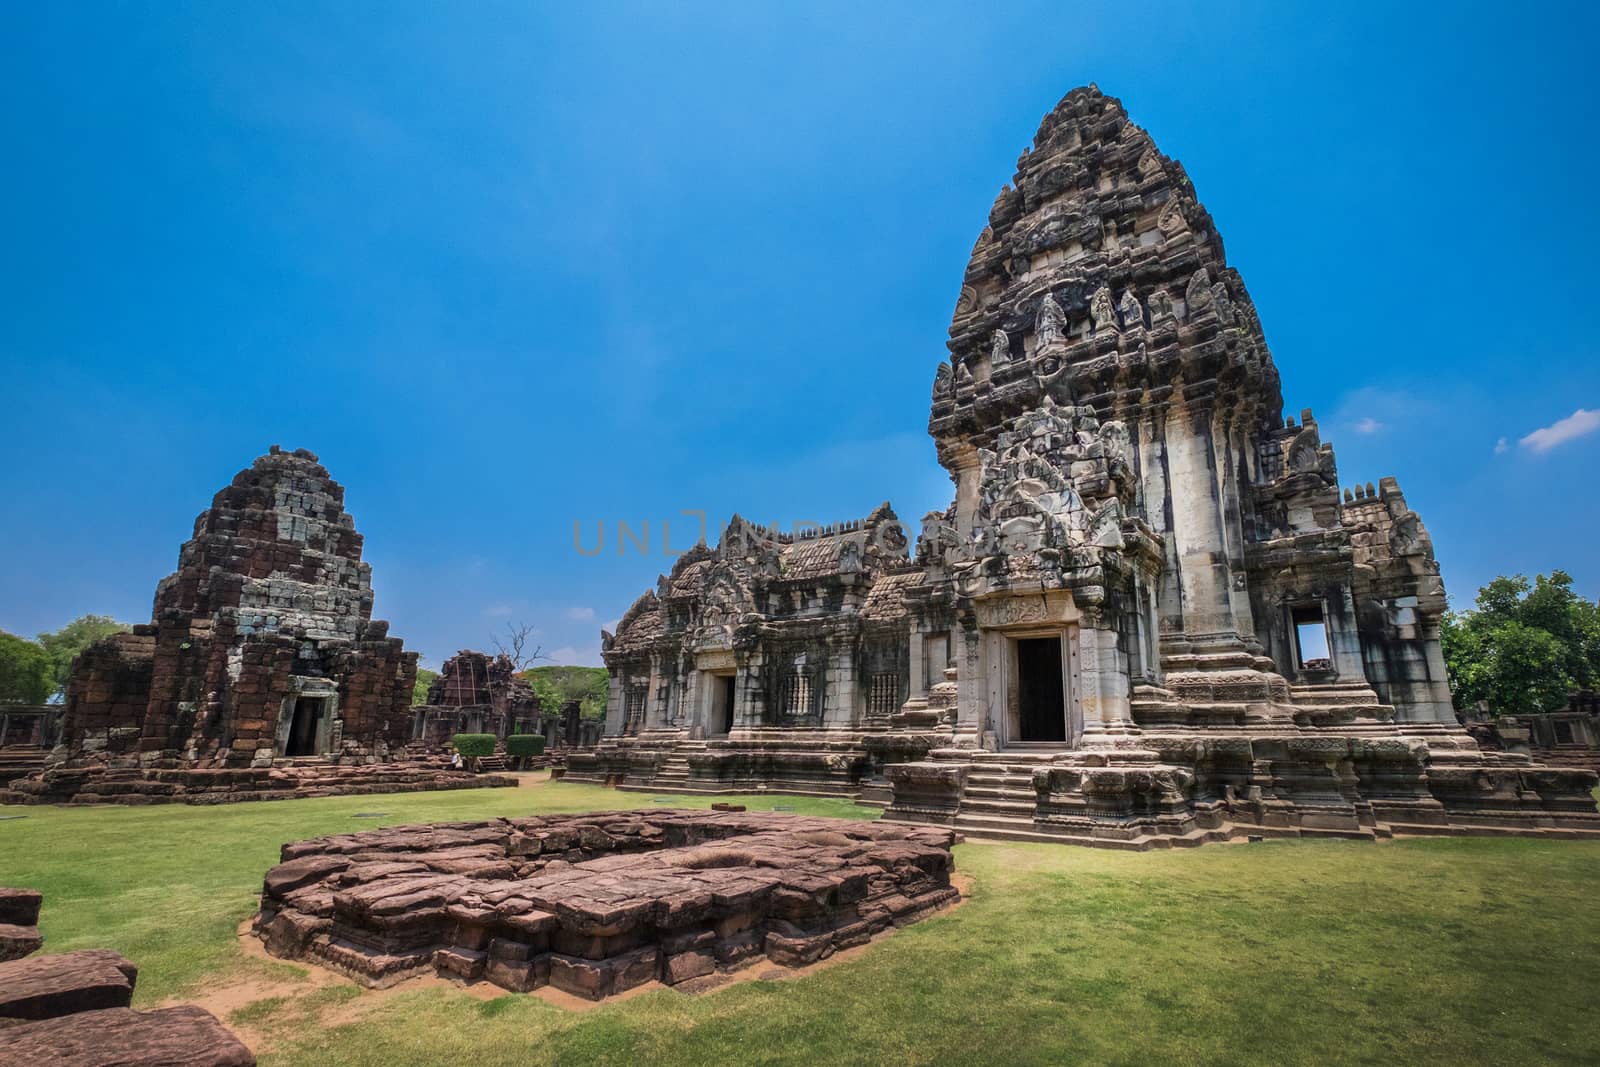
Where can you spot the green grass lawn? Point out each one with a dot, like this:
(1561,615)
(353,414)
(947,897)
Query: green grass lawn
(1457,951)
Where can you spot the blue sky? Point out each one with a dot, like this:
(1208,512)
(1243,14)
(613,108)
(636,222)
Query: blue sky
(505,267)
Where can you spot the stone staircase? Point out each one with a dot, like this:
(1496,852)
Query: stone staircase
(999,804)
(673,775)
(999,799)
(19,761)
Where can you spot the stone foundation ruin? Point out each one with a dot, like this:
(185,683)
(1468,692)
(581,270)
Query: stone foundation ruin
(71,1009)
(1149,616)
(262,673)
(597,904)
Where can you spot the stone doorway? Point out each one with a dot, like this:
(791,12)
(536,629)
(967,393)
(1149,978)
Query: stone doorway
(306,726)
(722,701)
(1041,694)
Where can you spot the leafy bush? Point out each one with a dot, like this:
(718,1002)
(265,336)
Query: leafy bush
(470,745)
(525,745)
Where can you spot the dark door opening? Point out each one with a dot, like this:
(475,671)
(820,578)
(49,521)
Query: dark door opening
(725,702)
(1041,701)
(303,727)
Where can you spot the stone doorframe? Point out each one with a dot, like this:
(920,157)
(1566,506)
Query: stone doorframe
(330,729)
(1002,622)
(709,666)
(1005,676)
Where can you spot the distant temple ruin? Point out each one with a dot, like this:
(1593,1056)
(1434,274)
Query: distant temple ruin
(480,694)
(1149,615)
(261,664)
(476,694)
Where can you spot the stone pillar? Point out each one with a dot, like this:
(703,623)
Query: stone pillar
(748,699)
(981,693)
(1099,676)
(839,699)
(1344,638)
(917,651)
(616,704)
(693,694)
(1197,539)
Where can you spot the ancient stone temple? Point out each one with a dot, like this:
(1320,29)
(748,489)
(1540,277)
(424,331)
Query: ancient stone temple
(261,649)
(476,694)
(1149,614)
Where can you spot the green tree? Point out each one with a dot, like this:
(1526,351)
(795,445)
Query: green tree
(1524,646)
(26,673)
(425,677)
(555,686)
(64,645)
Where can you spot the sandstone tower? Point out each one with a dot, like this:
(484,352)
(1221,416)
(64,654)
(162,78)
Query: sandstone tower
(1148,615)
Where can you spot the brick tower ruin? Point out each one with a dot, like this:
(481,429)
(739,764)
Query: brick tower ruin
(261,651)
(1149,614)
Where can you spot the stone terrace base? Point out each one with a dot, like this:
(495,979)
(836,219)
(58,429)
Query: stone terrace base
(19,923)
(597,904)
(1161,790)
(111,784)
(833,762)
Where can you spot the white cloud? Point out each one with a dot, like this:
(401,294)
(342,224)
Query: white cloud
(581,614)
(498,611)
(1501,446)
(1367,425)
(1574,426)
(565,656)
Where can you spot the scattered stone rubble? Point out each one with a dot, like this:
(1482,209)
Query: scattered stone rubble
(262,672)
(72,1009)
(19,923)
(1149,615)
(597,904)
(103,782)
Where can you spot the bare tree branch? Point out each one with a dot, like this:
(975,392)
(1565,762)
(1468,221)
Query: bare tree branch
(516,648)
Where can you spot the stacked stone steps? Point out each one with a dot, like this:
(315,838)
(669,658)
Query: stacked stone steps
(1000,789)
(19,761)
(674,771)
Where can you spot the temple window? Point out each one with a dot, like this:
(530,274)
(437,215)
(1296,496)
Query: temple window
(1311,637)
(797,699)
(1563,732)
(636,695)
(883,694)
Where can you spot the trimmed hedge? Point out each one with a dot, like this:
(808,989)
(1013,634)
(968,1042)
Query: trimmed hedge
(474,744)
(525,745)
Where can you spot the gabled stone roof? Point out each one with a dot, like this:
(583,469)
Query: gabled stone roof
(887,599)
